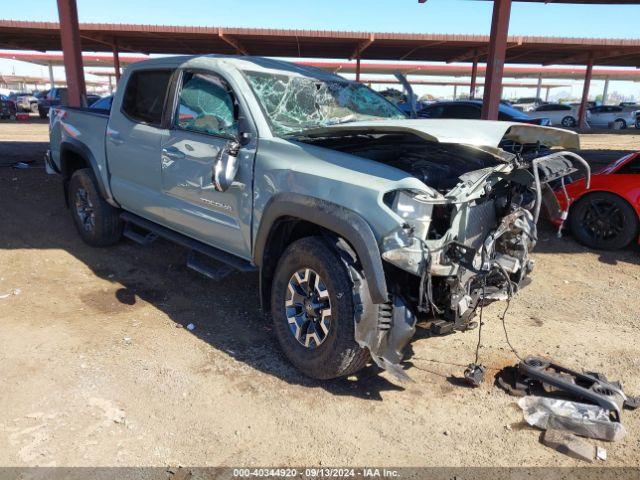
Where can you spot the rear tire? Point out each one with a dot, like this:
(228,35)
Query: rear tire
(604,221)
(569,121)
(97,222)
(337,353)
(619,124)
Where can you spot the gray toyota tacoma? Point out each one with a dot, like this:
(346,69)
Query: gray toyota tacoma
(359,221)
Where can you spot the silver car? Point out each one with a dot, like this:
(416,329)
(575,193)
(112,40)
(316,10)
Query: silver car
(611,116)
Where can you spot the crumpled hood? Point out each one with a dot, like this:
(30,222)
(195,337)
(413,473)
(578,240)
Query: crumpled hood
(483,134)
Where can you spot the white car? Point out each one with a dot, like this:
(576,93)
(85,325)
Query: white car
(557,113)
(611,116)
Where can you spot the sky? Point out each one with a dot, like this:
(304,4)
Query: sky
(436,16)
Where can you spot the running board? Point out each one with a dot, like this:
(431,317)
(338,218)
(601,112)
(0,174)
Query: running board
(231,262)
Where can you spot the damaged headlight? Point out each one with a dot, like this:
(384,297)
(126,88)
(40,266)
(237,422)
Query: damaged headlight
(416,209)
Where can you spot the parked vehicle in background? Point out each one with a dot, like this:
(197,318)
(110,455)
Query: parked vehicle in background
(637,116)
(606,216)
(58,96)
(25,102)
(471,109)
(8,108)
(611,116)
(559,114)
(359,220)
(103,103)
(526,104)
(632,105)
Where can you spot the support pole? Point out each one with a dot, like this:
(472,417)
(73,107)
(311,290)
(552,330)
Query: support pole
(539,87)
(116,60)
(495,62)
(358,68)
(52,80)
(110,84)
(474,78)
(72,51)
(585,95)
(605,92)
(455,91)
(546,95)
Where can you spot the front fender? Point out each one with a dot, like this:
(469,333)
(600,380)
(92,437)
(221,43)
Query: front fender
(343,222)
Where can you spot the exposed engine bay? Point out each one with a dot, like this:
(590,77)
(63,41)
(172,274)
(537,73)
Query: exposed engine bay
(465,240)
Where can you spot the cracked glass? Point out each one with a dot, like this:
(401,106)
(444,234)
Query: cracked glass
(296,103)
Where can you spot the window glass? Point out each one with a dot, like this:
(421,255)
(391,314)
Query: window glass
(461,111)
(145,95)
(631,167)
(433,111)
(206,105)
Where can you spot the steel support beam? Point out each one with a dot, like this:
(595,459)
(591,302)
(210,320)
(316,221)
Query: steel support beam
(546,95)
(582,115)
(116,60)
(358,68)
(72,50)
(52,80)
(495,60)
(605,91)
(474,78)
(455,91)
(539,87)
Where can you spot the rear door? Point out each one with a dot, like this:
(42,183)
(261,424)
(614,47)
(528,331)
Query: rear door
(133,142)
(208,115)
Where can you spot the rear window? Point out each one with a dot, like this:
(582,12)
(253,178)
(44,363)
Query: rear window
(145,95)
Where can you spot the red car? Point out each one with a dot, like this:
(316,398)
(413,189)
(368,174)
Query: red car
(608,214)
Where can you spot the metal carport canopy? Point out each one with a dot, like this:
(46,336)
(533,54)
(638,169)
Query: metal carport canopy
(99,37)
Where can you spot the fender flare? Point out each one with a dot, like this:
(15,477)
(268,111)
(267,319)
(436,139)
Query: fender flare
(79,148)
(340,220)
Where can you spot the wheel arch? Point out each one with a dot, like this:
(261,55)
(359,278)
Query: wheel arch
(75,155)
(290,216)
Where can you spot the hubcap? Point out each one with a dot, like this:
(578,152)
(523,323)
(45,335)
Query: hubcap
(603,220)
(84,210)
(308,308)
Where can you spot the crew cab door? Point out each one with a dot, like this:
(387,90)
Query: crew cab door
(207,116)
(133,140)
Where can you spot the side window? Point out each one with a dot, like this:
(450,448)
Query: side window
(631,167)
(433,112)
(460,111)
(543,108)
(564,107)
(206,105)
(145,94)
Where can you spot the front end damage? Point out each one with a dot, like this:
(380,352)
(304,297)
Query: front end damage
(464,241)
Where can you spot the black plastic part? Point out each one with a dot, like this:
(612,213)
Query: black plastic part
(236,263)
(441,327)
(344,222)
(583,386)
(474,374)
(214,273)
(144,239)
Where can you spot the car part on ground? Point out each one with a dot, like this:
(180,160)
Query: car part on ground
(606,215)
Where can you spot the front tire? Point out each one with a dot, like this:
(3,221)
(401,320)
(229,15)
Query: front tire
(313,312)
(619,124)
(569,121)
(604,221)
(97,222)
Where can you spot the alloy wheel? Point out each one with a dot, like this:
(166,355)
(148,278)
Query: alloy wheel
(308,308)
(84,210)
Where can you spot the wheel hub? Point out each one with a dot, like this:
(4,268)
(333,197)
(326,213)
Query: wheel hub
(84,210)
(308,308)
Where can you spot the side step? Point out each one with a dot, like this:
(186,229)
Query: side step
(153,231)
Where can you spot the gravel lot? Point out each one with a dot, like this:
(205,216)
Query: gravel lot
(98,369)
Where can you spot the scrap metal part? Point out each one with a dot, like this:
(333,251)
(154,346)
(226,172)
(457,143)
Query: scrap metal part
(536,375)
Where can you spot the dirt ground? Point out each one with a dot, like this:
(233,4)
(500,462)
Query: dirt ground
(97,367)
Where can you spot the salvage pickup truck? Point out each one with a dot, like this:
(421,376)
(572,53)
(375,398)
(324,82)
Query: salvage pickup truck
(359,221)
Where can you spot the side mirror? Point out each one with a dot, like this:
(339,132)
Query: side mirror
(226,166)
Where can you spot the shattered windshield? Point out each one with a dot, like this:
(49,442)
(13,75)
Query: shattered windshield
(296,103)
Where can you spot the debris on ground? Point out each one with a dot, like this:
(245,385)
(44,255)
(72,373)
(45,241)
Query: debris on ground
(579,418)
(601,453)
(474,374)
(191,327)
(15,291)
(569,444)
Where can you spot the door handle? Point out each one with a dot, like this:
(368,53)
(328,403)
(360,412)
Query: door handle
(173,153)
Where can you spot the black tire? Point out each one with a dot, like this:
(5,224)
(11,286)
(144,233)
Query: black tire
(42,114)
(338,354)
(97,222)
(569,121)
(619,124)
(604,221)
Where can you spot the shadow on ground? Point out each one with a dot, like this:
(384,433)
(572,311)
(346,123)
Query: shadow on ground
(226,314)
